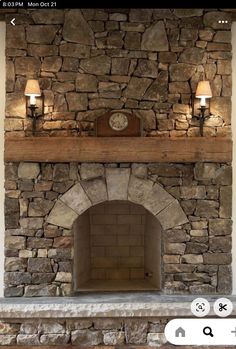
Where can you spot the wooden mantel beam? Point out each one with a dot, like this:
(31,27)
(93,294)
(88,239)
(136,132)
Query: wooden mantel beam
(118,149)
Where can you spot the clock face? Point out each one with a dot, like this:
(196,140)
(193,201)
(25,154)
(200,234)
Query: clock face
(118,121)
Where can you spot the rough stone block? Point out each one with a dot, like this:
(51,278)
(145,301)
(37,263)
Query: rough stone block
(172,216)
(96,190)
(113,338)
(37,265)
(28,339)
(40,291)
(62,215)
(136,331)
(224,285)
(207,208)
(54,339)
(216,258)
(91,170)
(220,226)
(152,196)
(15,242)
(154,38)
(225,202)
(7,339)
(86,337)
(156,339)
(28,170)
(76,199)
(41,34)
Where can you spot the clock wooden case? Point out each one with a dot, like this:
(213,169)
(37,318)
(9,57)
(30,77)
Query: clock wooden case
(119,124)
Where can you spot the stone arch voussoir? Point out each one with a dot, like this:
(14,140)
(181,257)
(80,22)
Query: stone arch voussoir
(117,184)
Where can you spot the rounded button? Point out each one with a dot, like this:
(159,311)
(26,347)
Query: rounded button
(223,307)
(200,307)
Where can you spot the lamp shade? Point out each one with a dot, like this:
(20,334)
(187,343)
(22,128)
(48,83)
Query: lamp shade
(32,88)
(203,89)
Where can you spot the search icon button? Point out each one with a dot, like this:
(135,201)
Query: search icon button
(208,331)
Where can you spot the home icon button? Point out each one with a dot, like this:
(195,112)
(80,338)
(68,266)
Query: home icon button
(180,332)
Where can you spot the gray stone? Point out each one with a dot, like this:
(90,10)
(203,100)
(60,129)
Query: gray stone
(28,170)
(15,264)
(156,339)
(96,190)
(154,38)
(76,28)
(117,183)
(220,226)
(54,339)
(29,327)
(43,278)
(99,65)
(192,259)
(172,216)
(207,208)
(108,324)
(76,199)
(214,20)
(202,289)
(28,339)
(52,326)
(15,37)
(217,258)
(40,207)
(72,324)
(181,71)
(224,176)
(136,331)
(196,248)
(204,170)
(39,242)
(41,34)
(86,83)
(152,196)
(220,244)
(224,279)
(7,339)
(61,215)
(31,223)
(225,210)
(37,265)
(86,337)
(77,101)
(91,170)
(114,338)
(40,290)
(52,64)
(192,55)
(137,87)
(15,105)
(16,278)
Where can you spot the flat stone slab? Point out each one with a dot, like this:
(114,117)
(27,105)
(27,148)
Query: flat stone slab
(103,305)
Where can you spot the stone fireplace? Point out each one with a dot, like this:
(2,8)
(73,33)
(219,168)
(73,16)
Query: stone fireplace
(118,227)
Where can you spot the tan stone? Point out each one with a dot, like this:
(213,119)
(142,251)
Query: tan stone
(77,101)
(181,71)
(86,83)
(74,50)
(152,196)
(41,34)
(61,215)
(76,28)
(213,19)
(76,199)
(52,64)
(172,216)
(15,105)
(137,87)
(225,210)
(96,190)
(155,38)
(117,183)
(28,170)
(99,65)
(192,259)
(63,277)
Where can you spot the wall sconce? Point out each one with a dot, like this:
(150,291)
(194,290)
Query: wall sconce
(203,91)
(32,90)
